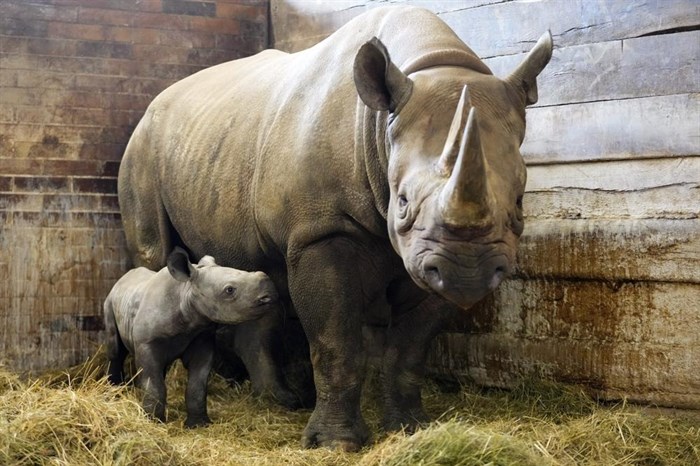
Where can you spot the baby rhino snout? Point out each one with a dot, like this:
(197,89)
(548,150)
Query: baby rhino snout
(267,293)
(265,299)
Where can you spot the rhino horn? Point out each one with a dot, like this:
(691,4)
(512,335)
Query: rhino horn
(464,200)
(449,153)
(524,77)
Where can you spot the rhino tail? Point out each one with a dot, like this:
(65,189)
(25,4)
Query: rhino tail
(116,350)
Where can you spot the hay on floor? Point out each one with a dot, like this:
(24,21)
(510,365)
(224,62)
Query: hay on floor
(75,417)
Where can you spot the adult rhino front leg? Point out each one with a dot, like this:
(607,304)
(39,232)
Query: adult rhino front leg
(326,290)
(146,224)
(418,321)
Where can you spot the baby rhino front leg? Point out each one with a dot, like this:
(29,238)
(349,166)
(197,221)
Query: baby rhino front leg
(198,359)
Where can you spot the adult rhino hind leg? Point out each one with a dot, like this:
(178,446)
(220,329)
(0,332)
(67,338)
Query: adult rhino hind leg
(259,345)
(403,364)
(329,305)
(146,224)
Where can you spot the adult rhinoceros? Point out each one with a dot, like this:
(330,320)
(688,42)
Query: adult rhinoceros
(380,166)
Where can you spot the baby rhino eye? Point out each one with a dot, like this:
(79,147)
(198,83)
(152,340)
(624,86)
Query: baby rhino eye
(402,206)
(229,290)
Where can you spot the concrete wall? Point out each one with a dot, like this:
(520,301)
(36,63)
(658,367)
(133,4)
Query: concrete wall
(75,78)
(608,289)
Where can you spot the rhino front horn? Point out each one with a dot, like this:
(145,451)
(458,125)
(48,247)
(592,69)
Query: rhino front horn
(464,200)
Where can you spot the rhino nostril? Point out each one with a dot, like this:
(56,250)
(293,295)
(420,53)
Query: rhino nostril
(499,274)
(265,300)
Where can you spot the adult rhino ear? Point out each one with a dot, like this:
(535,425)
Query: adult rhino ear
(380,83)
(524,78)
(179,265)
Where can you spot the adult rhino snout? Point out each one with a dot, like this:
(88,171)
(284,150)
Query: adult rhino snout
(462,285)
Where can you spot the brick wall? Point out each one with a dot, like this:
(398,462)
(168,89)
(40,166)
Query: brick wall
(75,78)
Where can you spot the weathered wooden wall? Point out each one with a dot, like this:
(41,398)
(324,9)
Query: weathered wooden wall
(75,78)
(608,287)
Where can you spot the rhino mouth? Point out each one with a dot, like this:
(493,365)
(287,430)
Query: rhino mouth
(461,278)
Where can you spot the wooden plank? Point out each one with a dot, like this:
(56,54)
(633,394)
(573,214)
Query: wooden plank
(638,340)
(589,310)
(647,374)
(513,27)
(493,28)
(665,126)
(54,283)
(640,67)
(677,201)
(611,250)
(618,175)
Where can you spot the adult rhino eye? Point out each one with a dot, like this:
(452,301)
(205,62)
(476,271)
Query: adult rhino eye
(229,290)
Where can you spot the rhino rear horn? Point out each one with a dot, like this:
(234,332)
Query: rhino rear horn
(464,200)
(524,77)
(380,83)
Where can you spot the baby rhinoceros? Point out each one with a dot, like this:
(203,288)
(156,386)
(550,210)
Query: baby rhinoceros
(170,314)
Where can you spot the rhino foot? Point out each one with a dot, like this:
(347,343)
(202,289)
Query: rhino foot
(288,399)
(335,437)
(408,421)
(282,396)
(199,421)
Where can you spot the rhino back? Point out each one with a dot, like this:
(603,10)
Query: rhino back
(126,297)
(259,154)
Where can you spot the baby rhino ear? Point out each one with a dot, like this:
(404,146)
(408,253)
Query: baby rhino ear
(179,265)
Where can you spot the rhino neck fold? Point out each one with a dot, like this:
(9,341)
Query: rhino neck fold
(190,313)
(371,153)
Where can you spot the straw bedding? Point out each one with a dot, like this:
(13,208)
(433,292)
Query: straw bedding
(76,417)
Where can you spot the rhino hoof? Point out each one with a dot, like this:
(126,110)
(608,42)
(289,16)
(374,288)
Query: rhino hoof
(344,445)
(288,400)
(406,422)
(349,446)
(281,396)
(193,422)
(350,440)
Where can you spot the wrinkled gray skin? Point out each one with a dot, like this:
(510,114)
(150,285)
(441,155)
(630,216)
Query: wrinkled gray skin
(171,314)
(361,175)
